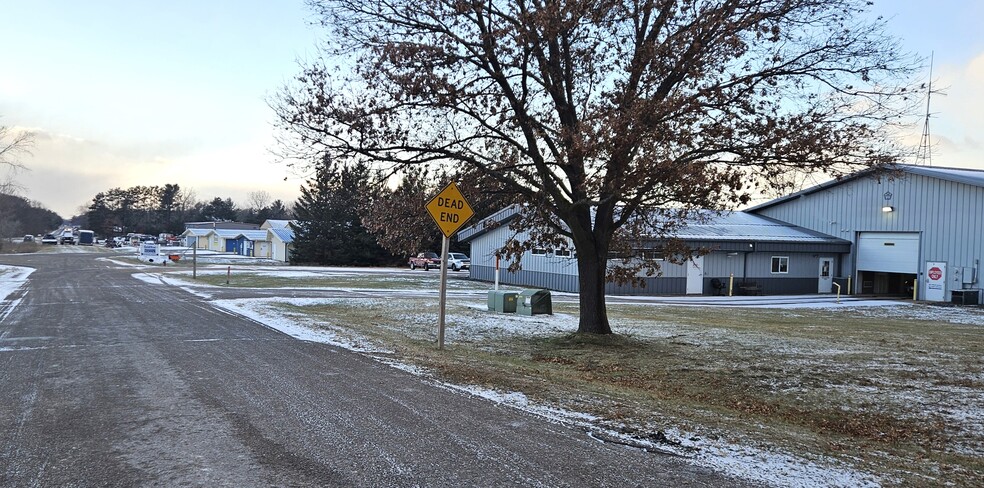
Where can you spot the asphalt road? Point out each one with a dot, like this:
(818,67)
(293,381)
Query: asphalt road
(109,381)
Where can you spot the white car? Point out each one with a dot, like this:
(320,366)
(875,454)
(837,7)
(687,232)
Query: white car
(458,261)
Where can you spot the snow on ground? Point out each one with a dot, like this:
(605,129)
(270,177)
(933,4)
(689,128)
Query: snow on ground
(469,320)
(11,279)
(756,464)
(267,311)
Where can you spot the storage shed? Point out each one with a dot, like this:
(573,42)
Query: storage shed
(911,223)
(195,237)
(755,253)
(255,243)
(222,240)
(281,243)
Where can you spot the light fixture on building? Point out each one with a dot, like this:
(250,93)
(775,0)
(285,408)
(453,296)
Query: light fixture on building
(888,208)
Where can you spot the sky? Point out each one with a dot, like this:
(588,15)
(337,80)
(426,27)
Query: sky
(124,93)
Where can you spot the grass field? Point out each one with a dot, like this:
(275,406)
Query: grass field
(889,395)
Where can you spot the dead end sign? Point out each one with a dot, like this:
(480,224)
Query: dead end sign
(449,209)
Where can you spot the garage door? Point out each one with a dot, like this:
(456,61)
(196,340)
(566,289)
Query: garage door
(889,252)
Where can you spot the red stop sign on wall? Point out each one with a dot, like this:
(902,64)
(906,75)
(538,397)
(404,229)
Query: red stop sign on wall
(935,273)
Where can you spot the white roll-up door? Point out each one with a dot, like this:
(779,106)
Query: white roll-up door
(889,252)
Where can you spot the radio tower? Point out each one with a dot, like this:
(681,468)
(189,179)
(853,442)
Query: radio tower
(924,156)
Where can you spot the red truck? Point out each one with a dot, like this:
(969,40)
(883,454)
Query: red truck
(426,260)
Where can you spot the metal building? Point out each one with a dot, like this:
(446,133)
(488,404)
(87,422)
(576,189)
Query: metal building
(281,242)
(751,253)
(913,223)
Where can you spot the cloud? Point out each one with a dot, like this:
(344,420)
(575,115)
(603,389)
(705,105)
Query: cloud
(957,120)
(65,172)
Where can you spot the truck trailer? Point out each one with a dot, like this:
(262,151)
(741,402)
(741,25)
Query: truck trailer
(86,237)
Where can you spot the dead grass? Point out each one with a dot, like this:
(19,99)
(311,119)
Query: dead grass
(871,392)
(19,247)
(895,392)
(251,279)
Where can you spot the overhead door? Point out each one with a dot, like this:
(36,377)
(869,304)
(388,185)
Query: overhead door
(889,252)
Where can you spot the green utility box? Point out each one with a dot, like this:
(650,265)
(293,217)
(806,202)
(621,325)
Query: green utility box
(502,301)
(534,302)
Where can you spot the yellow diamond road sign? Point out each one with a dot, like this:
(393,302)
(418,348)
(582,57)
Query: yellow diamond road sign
(450,210)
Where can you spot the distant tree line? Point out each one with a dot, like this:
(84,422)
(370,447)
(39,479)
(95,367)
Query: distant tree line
(165,209)
(19,216)
(347,214)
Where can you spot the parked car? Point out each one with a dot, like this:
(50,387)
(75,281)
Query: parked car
(426,260)
(29,238)
(49,239)
(67,237)
(458,261)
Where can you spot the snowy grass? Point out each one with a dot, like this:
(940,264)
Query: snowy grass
(862,394)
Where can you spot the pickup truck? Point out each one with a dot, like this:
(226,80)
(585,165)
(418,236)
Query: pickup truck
(426,260)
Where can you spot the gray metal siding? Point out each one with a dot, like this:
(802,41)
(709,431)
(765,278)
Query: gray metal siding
(721,265)
(560,273)
(526,279)
(653,286)
(949,215)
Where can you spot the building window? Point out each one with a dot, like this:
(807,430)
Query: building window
(536,251)
(780,264)
(653,256)
(563,253)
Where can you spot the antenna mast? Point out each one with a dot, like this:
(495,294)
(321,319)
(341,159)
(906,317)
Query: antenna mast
(924,156)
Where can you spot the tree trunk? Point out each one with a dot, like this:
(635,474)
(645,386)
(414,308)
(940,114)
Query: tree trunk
(591,281)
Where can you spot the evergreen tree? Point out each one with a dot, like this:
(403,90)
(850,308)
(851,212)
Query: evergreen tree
(219,210)
(329,230)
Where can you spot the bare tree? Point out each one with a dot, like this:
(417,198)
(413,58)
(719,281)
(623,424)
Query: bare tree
(612,120)
(257,200)
(14,145)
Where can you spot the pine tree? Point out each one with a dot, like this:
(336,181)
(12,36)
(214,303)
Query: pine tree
(330,231)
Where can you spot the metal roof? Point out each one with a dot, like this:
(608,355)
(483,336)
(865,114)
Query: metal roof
(496,220)
(277,224)
(741,226)
(221,225)
(974,177)
(253,235)
(286,235)
(226,233)
(710,226)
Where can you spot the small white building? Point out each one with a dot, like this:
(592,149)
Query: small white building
(281,243)
(195,237)
(255,243)
(216,238)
